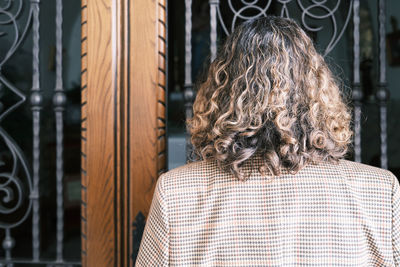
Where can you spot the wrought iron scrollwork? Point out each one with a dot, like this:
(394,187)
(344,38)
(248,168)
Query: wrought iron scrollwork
(15,192)
(12,185)
(18,158)
(16,184)
(316,10)
(329,14)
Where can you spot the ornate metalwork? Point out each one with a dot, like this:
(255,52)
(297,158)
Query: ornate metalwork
(59,101)
(382,93)
(188,94)
(330,13)
(18,184)
(36,101)
(213,32)
(307,11)
(12,185)
(188,42)
(357,93)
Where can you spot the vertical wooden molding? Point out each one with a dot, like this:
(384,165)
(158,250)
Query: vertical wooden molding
(123,117)
(98,128)
(147,72)
(83,132)
(161,86)
(123,124)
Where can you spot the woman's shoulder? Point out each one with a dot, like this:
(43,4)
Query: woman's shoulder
(360,170)
(190,173)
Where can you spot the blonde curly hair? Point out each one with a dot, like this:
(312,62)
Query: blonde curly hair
(269,93)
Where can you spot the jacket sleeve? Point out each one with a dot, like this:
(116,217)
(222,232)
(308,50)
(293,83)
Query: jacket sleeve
(154,246)
(396,220)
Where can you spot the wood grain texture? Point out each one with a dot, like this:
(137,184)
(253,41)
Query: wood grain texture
(121,19)
(98,129)
(123,122)
(147,72)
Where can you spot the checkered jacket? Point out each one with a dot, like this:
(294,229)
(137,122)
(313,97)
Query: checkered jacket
(345,214)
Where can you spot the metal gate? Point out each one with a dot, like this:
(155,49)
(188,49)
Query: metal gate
(32,170)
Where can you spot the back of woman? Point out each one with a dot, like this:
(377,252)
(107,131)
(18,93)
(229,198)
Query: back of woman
(270,186)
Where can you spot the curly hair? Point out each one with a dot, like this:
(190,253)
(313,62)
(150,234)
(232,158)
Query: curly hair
(269,93)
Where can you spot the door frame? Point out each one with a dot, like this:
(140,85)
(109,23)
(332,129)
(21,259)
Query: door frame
(123,148)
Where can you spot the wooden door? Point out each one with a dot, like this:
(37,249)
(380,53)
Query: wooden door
(123,124)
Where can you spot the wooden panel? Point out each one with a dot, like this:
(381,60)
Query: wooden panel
(147,98)
(98,154)
(123,118)
(123,124)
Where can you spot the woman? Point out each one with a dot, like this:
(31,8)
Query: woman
(271,187)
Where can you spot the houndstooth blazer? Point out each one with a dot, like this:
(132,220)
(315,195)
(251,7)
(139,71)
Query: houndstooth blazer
(345,214)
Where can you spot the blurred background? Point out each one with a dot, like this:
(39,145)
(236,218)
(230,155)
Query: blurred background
(40,100)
